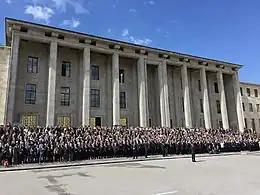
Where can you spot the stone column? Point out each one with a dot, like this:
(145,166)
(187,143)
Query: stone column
(12,78)
(223,103)
(50,118)
(162,97)
(205,97)
(166,95)
(116,90)
(186,96)
(238,99)
(86,87)
(142,91)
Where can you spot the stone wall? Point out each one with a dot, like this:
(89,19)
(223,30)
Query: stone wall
(4,65)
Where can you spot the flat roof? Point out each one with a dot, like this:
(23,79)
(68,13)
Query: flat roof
(7,20)
(246,83)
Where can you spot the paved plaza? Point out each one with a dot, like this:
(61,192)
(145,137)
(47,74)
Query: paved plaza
(221,175)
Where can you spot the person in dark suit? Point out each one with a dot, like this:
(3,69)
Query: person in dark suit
(193,152)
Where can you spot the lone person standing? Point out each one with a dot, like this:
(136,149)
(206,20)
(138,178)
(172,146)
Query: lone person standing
(193,151)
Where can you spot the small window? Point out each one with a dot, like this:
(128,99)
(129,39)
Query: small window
(123,122)
(241,91)
(256,92)
(248,91)
(250,107)
(218,106)
(253,124)
(64,121)
(32,65)
(122,100)
(29,120)
(95,98)
(181,84)
(201,106)
(65,69)
(150,122)
(95,72)
(199,85)
(216,87)
(243,105)
(171,123)
(246,123)
(30,94)
(121,76)
(258,107)
(65,96)
(220,124)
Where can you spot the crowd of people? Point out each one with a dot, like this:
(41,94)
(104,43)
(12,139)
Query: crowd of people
(19,145)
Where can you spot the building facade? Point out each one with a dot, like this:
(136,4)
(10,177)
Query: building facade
(54,77)
(251,105)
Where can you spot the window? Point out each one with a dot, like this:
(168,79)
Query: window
(171,123)
(95,72)
(250,107)
(65,69)
(64,121)
(32,66)
(258,107)
(246,123)
(30,94)
(122,100)
(241,91)
(181,84)
(65,96)
(123,122)
(201,106)
(248,91)
(29,120)
(243,105)
(121,76)
(150,122)
(95,98)
(256,92)
(220,124)
(182,103)
(253,124)
(218,107)
(199,85)
(216,87)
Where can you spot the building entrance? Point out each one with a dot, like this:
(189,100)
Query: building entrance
(98,121)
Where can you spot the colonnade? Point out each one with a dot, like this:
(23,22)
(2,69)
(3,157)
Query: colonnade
(142,90)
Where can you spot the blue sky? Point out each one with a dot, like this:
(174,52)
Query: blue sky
(227,30)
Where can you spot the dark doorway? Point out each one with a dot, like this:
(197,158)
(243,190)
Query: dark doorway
(98,121)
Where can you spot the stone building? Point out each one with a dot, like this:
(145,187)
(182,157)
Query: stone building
(54,76)
(251,105)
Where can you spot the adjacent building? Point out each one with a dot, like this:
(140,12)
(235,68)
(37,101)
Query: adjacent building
(51,76)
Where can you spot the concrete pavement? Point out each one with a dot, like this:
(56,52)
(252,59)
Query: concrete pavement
(106,161)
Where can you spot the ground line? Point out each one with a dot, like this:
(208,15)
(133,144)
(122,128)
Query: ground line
(164,193)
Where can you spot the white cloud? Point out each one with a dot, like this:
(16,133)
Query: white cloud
(132,10)
(109,30)
(149,2)
(39,13)
(78,7)
(125,32)
(140,41)
(127,37)
(73,23)
(8,1)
